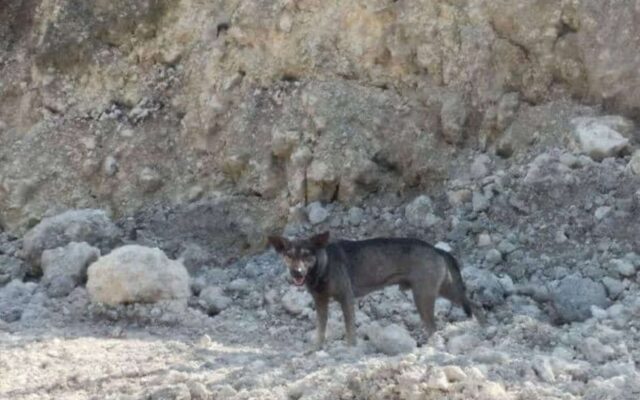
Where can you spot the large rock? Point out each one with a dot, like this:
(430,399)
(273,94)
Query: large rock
(11,268)
(573,297)
(64,268)
(88,225)
(133,273)
(484,286)
(598,138)
(14,299)
(392,339)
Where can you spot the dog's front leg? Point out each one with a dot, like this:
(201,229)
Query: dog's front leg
(348,310)
(322,314)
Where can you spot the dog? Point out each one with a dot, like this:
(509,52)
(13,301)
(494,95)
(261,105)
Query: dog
(345,270)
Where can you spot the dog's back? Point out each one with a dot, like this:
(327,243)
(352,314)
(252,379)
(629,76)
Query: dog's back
(411,263)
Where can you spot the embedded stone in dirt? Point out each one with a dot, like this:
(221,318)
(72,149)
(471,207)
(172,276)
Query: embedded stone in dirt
(64,268)
(134,273)
(212,298)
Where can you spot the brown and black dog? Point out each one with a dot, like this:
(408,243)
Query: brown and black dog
(345,270)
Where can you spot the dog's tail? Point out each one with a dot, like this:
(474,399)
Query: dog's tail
(456,282)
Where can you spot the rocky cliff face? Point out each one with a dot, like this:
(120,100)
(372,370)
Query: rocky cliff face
(275,103)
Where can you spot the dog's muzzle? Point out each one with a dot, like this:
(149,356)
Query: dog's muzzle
(298,277)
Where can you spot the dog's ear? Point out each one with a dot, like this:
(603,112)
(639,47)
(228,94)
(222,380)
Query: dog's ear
(279,243)
(320,240)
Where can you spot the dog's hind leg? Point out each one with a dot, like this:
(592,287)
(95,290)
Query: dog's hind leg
(348,311)
(425,303)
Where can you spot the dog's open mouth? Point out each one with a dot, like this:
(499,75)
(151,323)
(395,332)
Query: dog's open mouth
(298,280)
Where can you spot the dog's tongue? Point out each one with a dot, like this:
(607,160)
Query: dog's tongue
(298,281)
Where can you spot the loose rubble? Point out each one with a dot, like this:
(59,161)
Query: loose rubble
(558,318)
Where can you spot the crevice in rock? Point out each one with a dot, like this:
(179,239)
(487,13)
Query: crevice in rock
(500,35)
(222,27)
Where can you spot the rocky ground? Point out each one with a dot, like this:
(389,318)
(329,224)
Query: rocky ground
(549,243)
(148,147)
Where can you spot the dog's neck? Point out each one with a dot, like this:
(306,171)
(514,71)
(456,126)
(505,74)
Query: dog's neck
(319,270)
(321,260)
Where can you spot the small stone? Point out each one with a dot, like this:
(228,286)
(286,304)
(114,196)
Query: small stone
(198,391)
(542,367)
(177,392)
(595,351)
(432,220)
(492,390)
(634,163)
(480,202)
(212,298)
(149,180)
(443,246)
(110,166)
(624,267)
(316,213)
(205,341)
(356,215)
(454,373)
(616,311)
(602,212)
(285,24)
(493,257)
(194,193)
(479,167)
(598,313)
(240,285)
(484,239)
(614,287)
(392,339)
(462,344)
(459,197)
(438,380)
(417,211)
(560,236)
(506,247)
(296,301)
(569,160)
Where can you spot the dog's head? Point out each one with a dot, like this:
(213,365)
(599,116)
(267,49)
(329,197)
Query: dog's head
(299,255)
